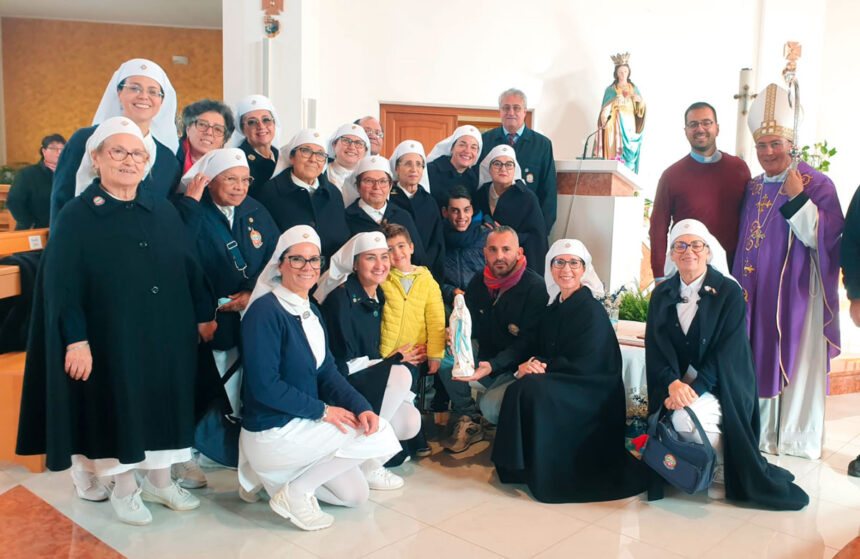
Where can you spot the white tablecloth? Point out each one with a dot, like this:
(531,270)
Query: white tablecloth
(633,367)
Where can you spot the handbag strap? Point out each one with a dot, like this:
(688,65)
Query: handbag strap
(232,248)
(228,374)
(699,428)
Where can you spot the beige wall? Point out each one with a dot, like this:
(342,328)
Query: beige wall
(55,72)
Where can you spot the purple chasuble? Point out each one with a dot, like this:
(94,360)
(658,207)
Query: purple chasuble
(773,268)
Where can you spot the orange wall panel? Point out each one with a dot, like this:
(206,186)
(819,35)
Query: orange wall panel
(54,72)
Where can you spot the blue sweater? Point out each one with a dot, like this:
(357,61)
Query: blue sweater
(281,380)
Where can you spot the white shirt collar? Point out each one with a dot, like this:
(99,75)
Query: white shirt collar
(228,211)
(408,194)
(713,158)
(375,215)
(693,288)
(291,302)
(309,187)
(777,178)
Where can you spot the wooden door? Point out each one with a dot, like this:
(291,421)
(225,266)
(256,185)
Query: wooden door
(429,125)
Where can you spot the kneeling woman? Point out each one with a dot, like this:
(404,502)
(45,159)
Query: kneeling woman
(305,431)
(561,426)
(352,301)
(698,356)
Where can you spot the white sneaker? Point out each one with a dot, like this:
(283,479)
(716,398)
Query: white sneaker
(188,475)
(251,496)
(130,509)
(382,479)
(88,487)
(304,511)
(717,491)
(172,496)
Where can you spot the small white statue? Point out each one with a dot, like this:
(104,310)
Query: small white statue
(461,339)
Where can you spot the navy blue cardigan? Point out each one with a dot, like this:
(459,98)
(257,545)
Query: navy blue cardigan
(281,380)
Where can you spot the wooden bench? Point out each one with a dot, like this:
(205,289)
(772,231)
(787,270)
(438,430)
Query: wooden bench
(12,364)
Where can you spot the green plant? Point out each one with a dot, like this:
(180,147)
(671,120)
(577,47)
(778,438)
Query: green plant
(818,156)
(634,305)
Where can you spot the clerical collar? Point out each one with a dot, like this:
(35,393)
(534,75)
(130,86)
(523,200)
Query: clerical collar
(307,186)
(375,215)
(777,178)
(707,158)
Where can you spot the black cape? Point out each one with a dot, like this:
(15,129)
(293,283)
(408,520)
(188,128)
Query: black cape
(425,213)
(562,432)
(123,276)
(724,352)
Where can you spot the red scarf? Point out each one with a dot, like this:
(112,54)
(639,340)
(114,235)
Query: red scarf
(186,145)
(497,286)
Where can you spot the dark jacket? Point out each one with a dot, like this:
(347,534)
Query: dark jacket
(724,355)
(281,380)
(444,177)
(354,322)
(518,208)
(159,181)
(534,154)
(290,205)
(464,256)
(425,213)
(256,236)
(29,198)
(505,327)
(261,168)
(359,222)
(850,256)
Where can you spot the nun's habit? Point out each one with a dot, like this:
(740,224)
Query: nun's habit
(562,432)
(292,201)
(335,173)
(73,174)
(362,218)
(516,207)
(423,210)
(262,168)
(443,175)
(290,377)
(121,275)
(715,346)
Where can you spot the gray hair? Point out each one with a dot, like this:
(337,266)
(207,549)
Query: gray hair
(505,229)
(513,91)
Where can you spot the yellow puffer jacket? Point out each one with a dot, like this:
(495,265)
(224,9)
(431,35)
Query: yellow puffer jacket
(417,318)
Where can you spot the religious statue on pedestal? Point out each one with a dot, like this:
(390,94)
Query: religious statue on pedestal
(622,118)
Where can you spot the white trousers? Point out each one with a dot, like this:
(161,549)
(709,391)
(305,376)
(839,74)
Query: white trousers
(793,422)
(710,414)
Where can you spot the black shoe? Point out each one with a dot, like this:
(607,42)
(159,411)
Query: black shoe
(398,459)
(418,445)
(854,467)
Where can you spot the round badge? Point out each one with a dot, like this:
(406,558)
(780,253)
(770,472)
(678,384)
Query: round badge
(256,238)
(251,157)
(98,200)
(514,329)
(670,462)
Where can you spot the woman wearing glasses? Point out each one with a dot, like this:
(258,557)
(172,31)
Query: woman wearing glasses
(698,356)
(206,125)
(121,302)
(306,432)
(140,91)
(561,425)
(504,199)
(300,194)
(352,300)
(346,147)
(258,133)
(371,184)
(235,237)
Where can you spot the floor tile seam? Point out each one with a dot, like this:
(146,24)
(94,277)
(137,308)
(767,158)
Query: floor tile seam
(572,534)
(427,527)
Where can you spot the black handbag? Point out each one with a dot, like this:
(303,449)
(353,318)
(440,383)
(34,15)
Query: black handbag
(217,434)
(688,466)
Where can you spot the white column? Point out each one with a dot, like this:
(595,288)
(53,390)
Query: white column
(284,68)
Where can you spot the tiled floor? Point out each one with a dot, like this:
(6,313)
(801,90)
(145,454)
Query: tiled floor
(453,506)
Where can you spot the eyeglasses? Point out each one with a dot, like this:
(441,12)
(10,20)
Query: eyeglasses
(512,108)
(350,142)
(119,154)
(413,164)
(265,121)
(560,263)
(498,165)
(298,262)
(138,90)
(308,153)
(697,246)
(383,182)
(203,126)
(774,145)
(372,133)
(693,124)
(233,181)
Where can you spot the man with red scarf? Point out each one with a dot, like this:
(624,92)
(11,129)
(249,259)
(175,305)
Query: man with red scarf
(506,302)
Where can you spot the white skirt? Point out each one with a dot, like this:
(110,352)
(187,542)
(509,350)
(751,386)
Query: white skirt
(153,460)
(277,456)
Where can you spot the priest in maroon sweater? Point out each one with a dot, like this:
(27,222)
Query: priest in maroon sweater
(707,185)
